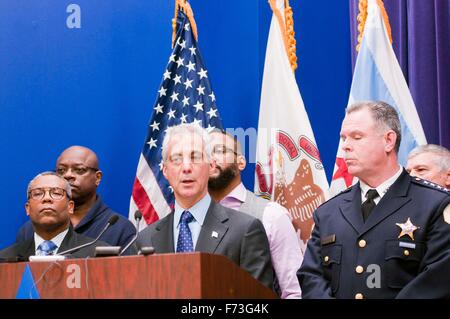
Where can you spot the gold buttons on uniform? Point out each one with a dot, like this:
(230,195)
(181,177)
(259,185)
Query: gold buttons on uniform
(326,259)
(406,252)
(362,243)
(359,296)
(359,269)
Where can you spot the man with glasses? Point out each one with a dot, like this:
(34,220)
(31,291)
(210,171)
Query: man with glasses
(79,166)
(198,223)
(225,187)
(49,206)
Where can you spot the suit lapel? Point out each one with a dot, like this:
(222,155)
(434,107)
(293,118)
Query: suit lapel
(351,208)
(26,248)
(162,239)
(68,241)
(213,229)
(393,200)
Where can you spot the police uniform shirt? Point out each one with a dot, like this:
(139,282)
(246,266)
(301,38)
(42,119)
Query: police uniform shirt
(381,189)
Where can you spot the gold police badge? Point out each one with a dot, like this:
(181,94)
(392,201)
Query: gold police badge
(408,228)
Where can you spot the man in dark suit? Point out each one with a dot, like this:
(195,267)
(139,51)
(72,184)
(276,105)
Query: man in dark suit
(79,165)
(199,222)
(388,236)
(49,205)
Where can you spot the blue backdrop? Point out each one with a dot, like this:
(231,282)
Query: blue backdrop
(96,85)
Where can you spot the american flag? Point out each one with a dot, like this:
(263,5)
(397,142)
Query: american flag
(185,96)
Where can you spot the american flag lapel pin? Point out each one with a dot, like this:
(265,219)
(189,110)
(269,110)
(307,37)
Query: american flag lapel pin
(214,234)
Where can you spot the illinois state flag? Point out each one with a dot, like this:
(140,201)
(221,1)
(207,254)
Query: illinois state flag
(185,95)
(288,165)
(378,76)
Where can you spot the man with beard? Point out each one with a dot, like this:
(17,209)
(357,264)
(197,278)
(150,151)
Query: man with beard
(79,166)
(226,188)
(49,206)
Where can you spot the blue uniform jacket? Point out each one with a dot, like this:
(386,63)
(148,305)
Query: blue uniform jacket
(347,258)
(92,224)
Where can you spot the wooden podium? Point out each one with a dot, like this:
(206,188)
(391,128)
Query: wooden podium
(173,276)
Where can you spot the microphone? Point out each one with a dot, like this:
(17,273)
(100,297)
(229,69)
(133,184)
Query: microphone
(112,220)
(137,218)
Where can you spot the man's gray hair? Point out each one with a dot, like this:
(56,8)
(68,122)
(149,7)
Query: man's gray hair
(384,115)
(184,129)
(441,152)
(66,183)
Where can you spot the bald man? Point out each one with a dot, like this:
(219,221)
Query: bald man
(80,167)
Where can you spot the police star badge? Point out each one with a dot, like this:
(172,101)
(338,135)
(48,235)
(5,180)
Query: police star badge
(408,228)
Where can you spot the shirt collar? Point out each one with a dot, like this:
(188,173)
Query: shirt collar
(239,193)
(198,210)
(57,240)
(383,187)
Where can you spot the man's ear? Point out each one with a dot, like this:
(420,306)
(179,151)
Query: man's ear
(212,166)
(71,207)
(390,138)
(27,208)
(98,177)
(164,170)
(447,179)
(241,161)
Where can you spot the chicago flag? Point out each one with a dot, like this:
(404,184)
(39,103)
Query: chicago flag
(378,76)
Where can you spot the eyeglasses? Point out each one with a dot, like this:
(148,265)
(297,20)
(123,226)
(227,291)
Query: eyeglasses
(222,150)
(195,158)
(55,193)
(80,170)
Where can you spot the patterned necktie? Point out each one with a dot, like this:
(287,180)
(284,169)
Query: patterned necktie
(369,204)
(46,248)
(184,243)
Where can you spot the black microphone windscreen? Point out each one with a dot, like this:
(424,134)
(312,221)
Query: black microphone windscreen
(113,219)
(137,215)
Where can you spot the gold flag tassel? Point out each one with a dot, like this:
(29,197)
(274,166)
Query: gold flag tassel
(287,31)
(186,8)
(362,16)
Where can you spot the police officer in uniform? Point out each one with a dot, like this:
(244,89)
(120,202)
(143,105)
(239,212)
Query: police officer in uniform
(388,236)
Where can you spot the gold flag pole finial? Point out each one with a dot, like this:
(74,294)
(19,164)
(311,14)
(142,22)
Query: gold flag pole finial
(186,8)
(287,31)
(362,17)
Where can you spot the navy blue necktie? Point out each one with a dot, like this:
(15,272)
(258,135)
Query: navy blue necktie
(46,248)
(184,243)
(369,204)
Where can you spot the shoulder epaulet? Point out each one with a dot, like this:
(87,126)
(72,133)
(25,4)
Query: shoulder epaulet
(338,194)
(423,182)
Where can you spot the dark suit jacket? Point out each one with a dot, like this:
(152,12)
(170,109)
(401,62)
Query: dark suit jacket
(23,250)
(392,266)
(241,238)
